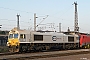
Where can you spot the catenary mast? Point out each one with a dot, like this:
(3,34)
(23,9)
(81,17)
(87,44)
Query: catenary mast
(76,28)
(18,27)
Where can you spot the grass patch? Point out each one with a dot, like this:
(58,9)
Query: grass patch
(3,49)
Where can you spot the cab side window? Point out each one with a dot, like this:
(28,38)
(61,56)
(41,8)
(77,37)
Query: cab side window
(22,36)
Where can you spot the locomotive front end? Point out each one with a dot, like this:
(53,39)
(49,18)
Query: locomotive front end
(13,41)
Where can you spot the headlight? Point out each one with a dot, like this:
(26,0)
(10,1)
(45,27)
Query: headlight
(8,43)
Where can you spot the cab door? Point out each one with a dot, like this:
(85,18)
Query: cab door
(22,37)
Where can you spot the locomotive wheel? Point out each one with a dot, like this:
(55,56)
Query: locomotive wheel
(16,50)
(88,46)
(13,49)
(10,49)
(85,47)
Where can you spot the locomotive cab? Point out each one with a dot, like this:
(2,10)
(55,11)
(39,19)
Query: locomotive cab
(17,40)
(13,41)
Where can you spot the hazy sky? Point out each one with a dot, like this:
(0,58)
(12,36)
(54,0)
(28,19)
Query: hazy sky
(58,11)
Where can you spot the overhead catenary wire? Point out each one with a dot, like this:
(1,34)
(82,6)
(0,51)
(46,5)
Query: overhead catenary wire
(11,20)
(14,25)
(60,17)
(32,12)
(37,13)
(42,20)
(15,10)
(19,10)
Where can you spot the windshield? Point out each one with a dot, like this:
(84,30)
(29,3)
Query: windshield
(15,35)
(11,36)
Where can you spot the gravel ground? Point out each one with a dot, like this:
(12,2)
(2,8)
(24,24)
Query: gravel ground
(70,57)
(52,55)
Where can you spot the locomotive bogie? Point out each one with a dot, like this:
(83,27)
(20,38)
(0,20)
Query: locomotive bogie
(47,46)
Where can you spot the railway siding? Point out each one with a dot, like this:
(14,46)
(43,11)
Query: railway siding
(45,54)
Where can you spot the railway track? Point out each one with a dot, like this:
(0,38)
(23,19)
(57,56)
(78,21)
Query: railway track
(48,56)
(37,55)
(7,53)
(12,53)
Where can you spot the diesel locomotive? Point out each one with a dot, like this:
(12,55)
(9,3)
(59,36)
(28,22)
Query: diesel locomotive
(26,40)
